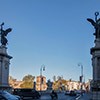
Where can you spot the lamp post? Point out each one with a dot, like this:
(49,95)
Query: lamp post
(81,77)
(41,78)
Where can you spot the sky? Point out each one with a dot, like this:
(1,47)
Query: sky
(50,33)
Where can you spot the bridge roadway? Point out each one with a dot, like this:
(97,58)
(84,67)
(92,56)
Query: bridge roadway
(61,96)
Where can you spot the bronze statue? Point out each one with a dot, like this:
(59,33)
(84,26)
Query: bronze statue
(96,25)
(4,34)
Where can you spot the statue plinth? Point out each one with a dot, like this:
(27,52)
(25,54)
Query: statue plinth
(4,67)
(95,52)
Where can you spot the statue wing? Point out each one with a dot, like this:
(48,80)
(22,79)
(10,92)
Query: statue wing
(7,31)
(91,21)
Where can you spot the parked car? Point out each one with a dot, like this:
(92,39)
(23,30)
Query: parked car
(67,92)
(80,91)
(4,95)
(27,93)
(72,93)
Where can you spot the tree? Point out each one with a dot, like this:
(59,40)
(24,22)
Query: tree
(28,78)
(28,81)
(27,84)
(12,81)
(60,84)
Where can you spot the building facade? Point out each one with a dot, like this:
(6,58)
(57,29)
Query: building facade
(41,83)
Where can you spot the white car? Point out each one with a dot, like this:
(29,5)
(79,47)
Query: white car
(4,95)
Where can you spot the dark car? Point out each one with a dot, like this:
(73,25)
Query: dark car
(72,93)
(4,95)
(27,93)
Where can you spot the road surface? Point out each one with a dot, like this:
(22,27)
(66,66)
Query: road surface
(62,96)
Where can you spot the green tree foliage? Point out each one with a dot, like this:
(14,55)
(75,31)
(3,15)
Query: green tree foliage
(27,84)
(12,81)
(28,81)
(28,78)
(59,84)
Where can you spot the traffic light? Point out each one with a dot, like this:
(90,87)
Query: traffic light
(80,79)
(42,80)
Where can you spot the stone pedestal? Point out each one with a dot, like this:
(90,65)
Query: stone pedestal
(95,52)
(4,67)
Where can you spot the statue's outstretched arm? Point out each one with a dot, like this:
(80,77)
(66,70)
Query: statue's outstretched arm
(7,31)
(91,21)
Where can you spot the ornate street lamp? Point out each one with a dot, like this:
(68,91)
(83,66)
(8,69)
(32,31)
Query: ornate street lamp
(81,77)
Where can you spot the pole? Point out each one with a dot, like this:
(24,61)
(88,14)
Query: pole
(82,70)
(81,77)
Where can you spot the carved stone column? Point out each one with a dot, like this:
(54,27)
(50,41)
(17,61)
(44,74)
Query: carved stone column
(95,52)
(4,67)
